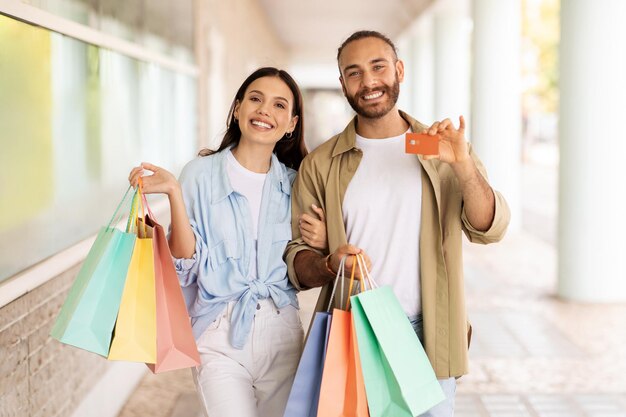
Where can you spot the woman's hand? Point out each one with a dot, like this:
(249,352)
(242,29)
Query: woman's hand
(161,181)
(313,230)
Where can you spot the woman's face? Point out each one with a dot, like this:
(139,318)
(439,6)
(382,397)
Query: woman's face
(265,111)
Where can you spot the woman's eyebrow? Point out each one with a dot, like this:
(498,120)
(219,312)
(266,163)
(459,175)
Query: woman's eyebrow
(261,93)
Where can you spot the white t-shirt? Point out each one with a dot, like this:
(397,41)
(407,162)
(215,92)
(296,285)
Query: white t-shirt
(382,210)
(250,185)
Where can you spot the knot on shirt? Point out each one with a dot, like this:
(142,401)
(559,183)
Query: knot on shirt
(259,288)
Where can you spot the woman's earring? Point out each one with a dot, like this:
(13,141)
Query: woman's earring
(288,135)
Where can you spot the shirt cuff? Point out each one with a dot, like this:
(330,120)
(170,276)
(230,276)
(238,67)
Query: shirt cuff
(497,230)
(184,265)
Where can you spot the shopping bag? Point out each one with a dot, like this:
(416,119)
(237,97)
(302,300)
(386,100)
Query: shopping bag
(399,378)
(333,387)
(134,336)
(342,392)
(305,390)
(175,344)
(88,315)
(355,388)
(384,396)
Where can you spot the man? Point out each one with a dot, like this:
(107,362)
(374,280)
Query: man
(404,213)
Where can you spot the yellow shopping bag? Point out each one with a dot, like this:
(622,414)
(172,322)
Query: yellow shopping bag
(134,336)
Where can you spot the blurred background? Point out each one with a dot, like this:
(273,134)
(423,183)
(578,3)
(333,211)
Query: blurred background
(90,88)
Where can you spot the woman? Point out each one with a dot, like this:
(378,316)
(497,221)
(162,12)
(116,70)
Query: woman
(231,221)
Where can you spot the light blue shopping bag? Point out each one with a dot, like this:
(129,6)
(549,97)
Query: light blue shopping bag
(87,317)
(305,390)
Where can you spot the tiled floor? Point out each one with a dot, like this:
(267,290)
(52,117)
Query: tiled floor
(540,405)
(531,355)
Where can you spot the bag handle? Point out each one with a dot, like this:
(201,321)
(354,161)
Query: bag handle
(351,282)
(367,285)
(133,213)
(142,198)
(133,219)
(366,279)
(367,276)
(340,274)
(145,200)
(116,218)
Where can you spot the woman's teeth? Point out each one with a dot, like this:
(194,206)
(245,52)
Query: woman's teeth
(261,124)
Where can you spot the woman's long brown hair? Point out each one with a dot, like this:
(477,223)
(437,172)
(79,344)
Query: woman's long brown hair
(290,151)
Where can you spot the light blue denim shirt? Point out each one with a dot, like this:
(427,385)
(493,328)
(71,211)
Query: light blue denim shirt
(221,221)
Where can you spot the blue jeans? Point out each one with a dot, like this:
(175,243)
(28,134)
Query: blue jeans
(448,385)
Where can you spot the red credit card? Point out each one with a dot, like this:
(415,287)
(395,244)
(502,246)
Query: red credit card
(422,144)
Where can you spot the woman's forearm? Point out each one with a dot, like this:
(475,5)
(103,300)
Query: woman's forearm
(182,240)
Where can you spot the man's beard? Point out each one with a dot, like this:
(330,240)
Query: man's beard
(376,112)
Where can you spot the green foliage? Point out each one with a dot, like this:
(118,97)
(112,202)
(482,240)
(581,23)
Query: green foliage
(541,34)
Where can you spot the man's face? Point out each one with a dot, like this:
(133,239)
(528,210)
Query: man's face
(370,77)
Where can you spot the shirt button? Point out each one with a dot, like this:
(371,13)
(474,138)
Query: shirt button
(258,306)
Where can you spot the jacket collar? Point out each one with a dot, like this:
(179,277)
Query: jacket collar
(222,188)
(347,139)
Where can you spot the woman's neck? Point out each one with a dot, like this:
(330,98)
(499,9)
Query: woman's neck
(256,158)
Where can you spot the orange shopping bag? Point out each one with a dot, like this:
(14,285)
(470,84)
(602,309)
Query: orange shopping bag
(342,392)
(355,388)
(176,346)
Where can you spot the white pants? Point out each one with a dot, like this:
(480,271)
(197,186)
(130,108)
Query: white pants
(448,385)
(254,381)
(446,407)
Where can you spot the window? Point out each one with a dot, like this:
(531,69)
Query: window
(74,119)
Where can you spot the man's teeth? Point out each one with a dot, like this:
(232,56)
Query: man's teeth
(373,95)
(262,124)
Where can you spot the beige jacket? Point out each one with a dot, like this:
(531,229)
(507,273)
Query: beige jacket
(323,179)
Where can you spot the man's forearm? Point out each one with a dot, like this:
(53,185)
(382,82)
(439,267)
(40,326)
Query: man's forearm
(311,269)
(478,197)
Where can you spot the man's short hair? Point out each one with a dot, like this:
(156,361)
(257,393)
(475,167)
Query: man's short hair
(362,34)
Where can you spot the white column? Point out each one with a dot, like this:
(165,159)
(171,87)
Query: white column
(201,52)
(592,190)
(405,54)
(451,64)
(423,71)
(415,49)
(496,97)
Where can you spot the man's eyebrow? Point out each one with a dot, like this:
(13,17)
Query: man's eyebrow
(373,61)
(349,67)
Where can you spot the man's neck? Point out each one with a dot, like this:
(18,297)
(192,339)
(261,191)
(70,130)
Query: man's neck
(390,125)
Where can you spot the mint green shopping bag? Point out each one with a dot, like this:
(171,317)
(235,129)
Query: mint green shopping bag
(88,315)
(399,379)
(384,397)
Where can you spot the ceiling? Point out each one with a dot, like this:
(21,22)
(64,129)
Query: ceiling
(312,30)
